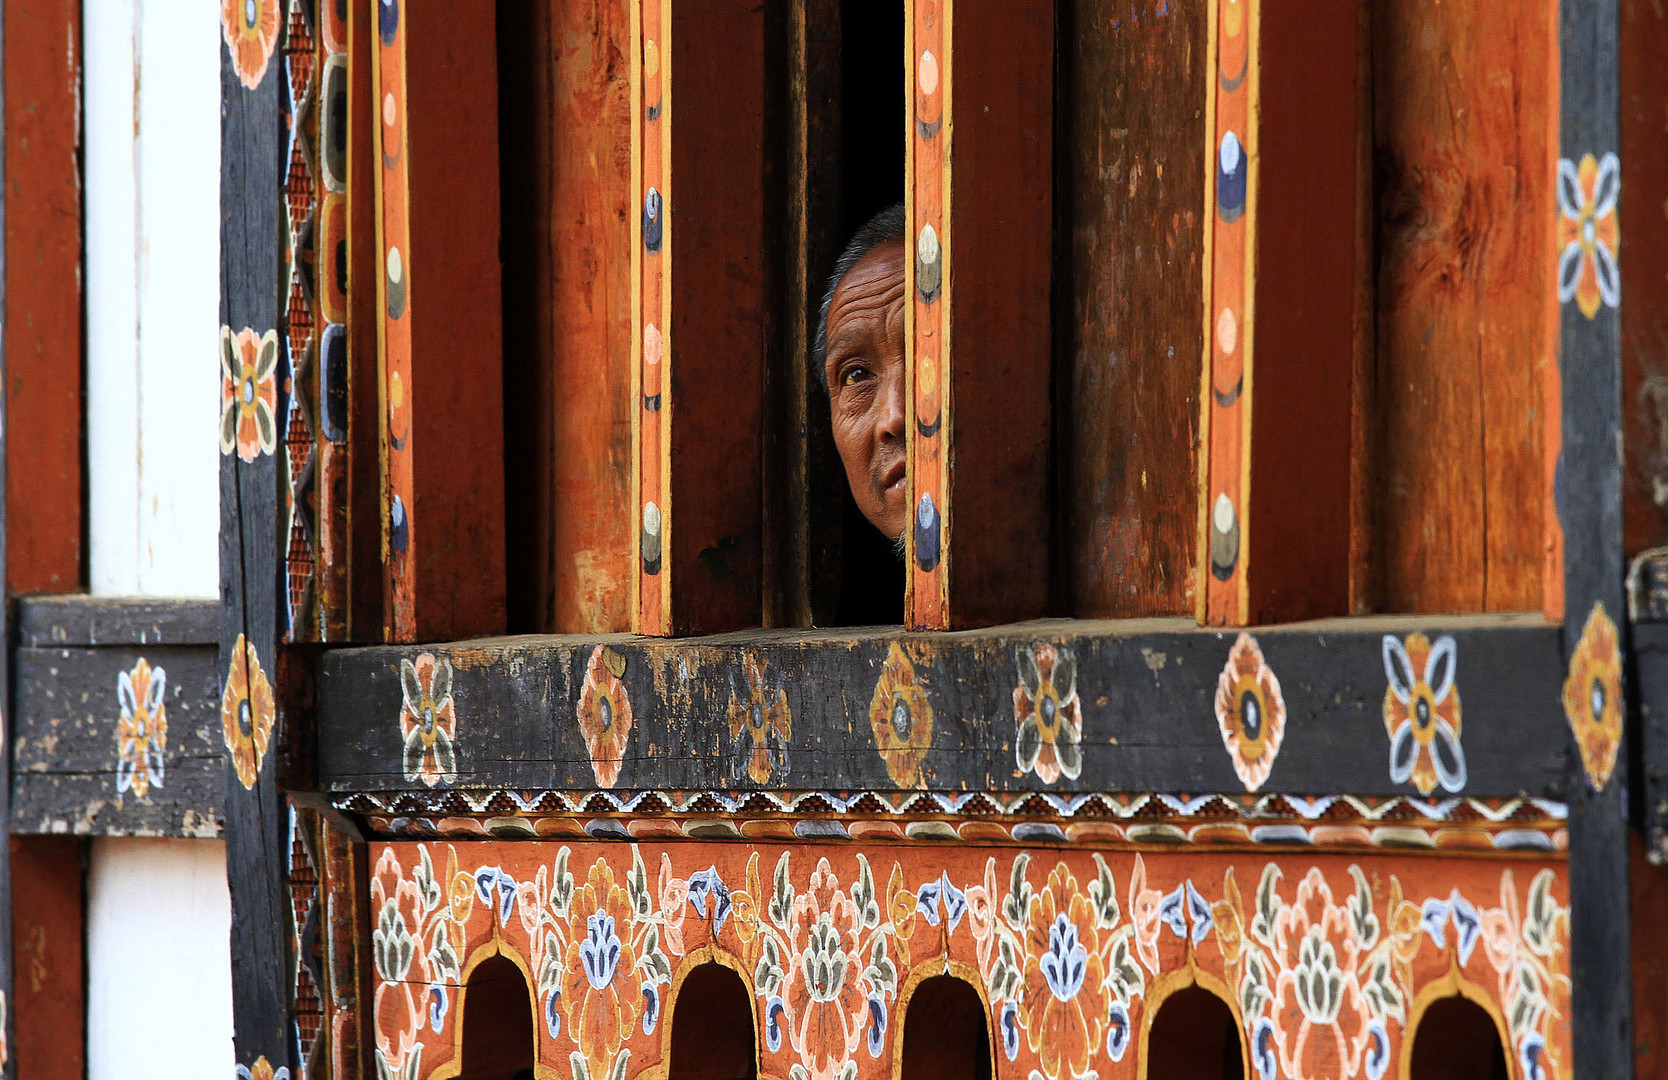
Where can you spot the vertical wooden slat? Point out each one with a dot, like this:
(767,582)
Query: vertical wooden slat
(980,211)
(47,938)
(440,318)
(1281,319)
(1590,508)
(255,134)
(1465,137)
(1128,279)
(344,914)
(701,312)
(8,1012)
(1644,90)
(43,294)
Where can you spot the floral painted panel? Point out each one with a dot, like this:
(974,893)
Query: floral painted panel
(1326,962)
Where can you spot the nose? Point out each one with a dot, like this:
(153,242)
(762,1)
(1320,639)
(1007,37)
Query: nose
(890,407)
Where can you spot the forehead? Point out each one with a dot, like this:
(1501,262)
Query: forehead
(870,288)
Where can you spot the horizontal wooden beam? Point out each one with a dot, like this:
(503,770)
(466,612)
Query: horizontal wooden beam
(78,619)
(1047,706)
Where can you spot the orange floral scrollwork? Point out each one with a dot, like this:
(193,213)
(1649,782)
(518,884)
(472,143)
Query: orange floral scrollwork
(1593,696)
(901,717)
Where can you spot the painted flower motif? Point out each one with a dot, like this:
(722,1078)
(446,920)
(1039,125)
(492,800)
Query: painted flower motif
(1422,713)
(1588,232)
(829,1009)
(605,714)
(1050,719)
(1145,912)
(761,725)
(248,392)
(1593,697)
(1322,1031)
(1250,712)
(261,1070)
(250,28)
(599,991)
(428,720)
(1065,997)
(901,717)
(142,731)
(247,712)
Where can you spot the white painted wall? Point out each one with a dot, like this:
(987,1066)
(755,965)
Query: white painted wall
(152,108)
(159,992)
(159,986)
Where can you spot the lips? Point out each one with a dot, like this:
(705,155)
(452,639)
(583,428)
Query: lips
(892,479)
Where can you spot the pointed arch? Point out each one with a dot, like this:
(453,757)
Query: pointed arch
(497,1039)
(945,1033)
(712,1032)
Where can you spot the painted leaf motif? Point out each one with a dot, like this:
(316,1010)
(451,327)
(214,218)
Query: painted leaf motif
(881,973)
(1017,905)
(576,1062)
(637,885)
(1123,974)
(1542,916)
(863,895)
(1254,993)
(781,901)
(1102,893)
(561,889)
(618,1072)
(423,877)
(1268,906)
(1361,914)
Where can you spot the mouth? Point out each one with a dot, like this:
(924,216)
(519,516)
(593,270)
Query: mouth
(893,480)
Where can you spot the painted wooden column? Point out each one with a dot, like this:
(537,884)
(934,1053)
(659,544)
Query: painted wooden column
(979,197)
(8,1019)
(1589,497)
(1281,274)
(439,321)
(702,313)
(256,369)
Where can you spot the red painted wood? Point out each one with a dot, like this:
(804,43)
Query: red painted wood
(1283,314)
(441,346)
(704,316)
(48,956)
(980,358)
(46,474)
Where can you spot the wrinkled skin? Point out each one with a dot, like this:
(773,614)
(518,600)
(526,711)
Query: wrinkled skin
(865,375)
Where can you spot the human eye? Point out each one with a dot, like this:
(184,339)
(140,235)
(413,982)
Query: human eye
(856,371)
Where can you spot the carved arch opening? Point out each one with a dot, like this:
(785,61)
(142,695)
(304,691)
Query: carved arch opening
(498,1038)
(1194,1037)
(1455,1038)
(713,1034)
(945,1032)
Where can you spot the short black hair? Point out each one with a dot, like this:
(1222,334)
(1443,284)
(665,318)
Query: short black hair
(888,226)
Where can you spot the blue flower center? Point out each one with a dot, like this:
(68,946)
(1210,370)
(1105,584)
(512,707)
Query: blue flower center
(1066,961)
(599,953)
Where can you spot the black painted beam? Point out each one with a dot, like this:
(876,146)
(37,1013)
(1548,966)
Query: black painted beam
(1590,512)
(527,713)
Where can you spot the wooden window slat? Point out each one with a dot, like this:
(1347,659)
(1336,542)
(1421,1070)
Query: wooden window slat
(440,322)
(980,211)
(1281,318)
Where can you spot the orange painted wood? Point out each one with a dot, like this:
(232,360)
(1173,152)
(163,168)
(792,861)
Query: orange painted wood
(571,298)
(1644,266)
(980,203)
(46,478)
(1649,887)
(702,223)
(1465,134)
(48,956)
(1129,278)
(364,510)
(441,325)
(1285,258)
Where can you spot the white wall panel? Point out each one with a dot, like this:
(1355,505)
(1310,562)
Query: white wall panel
(159,985)
(153,281)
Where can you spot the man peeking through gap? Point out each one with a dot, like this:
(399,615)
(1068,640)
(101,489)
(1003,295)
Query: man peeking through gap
(859,353)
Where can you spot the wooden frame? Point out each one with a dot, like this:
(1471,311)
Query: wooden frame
(981,88)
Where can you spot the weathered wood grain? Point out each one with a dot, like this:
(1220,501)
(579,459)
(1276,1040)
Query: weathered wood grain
(96,621)
(66,743)
(565,124)
(980,212)
(43,294)
(1465,133)
(1145,689)
(1130,220)
(47,935)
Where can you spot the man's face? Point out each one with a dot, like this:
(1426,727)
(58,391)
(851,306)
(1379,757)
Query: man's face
(865,373)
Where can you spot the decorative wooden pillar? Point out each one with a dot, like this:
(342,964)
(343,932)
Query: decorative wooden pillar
(1589,487)
(980,211)
(1281,300)
(257,126)
(702,312)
